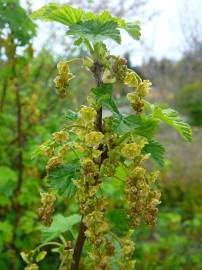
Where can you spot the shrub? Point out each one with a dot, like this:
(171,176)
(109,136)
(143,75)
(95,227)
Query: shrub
(189,101)
(93,156)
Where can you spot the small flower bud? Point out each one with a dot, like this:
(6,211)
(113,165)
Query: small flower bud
(60,136)
(53,162)
(62,67)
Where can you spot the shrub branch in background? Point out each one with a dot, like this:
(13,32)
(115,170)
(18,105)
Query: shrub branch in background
(92,150)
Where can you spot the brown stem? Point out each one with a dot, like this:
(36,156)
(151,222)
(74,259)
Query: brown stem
(3,95)
(97,70)
(78,247)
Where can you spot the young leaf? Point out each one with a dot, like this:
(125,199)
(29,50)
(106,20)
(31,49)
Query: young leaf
(65,14)
(104,97)
(143,126)
(71,115)
(61,177)
(59,225)
(171,118)
(95,31)
(94,27)
(133,29)
(156,150)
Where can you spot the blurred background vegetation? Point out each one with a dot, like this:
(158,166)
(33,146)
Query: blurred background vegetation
(30,111)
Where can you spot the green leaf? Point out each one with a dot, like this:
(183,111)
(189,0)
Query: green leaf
(95,31)
(61,178)
(142,125)
(8,179)
(171,118)
(41,256)
(59,225)
(133,29)
(119,219)
(104,16)
(6,231)
(88,25)
(156,150)
(65,14)
(71,115)
(104,97)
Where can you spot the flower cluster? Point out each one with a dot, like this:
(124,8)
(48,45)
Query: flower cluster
(32,109)
(97,227)
(63,78)
(136,98)
(101,151)
(120,69)
(127,76)
(46,210)
(87,116)
(127,250)
(142,199)
(55,149)
(131,150)
(88,186)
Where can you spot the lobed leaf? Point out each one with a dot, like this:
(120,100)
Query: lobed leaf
(95,31)
(104,97)
(59,225)
(156,150)
(8,181)
(133,29)
(71,115)
(61,178)
(171,118)
(142,125)
(88,25)
(65,14)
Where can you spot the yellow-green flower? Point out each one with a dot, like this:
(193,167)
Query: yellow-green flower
(87,115)
(47,151)
(53,162)
(143,88)
(128,247)
(63,67)
(60,136)
(89,168)
(63,150)
(131,79)
(133,98)
(138,172)
(131,150)
(94,138)
(62,80)
(32,266)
